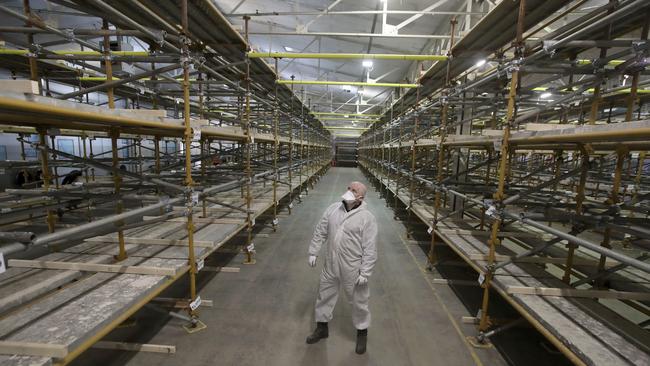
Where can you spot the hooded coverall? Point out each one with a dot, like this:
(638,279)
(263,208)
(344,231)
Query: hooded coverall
(351,251)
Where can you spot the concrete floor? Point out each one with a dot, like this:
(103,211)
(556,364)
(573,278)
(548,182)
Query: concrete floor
(262,314)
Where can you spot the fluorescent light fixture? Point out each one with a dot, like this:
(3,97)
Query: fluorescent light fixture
(545,95)
(481,63)
(367,63)
(289,49)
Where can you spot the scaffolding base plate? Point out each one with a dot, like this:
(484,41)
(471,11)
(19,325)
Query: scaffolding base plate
(476,344)
(199,326)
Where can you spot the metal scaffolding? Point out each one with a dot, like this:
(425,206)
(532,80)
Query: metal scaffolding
(530,164)
(190,157)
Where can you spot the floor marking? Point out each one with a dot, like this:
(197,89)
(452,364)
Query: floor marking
(462,336)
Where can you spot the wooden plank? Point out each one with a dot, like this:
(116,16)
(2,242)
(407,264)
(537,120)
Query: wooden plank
(208,220)
(135,347)
(221,269)
(512,234)
(547,260)
(93,267)
(444,281)
(150,241)
(19,86)
(33,349)
(545,126)
(572,292)
(145,112)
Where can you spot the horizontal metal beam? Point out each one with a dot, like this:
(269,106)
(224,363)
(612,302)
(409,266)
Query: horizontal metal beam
(353,12)
(345,114)
(345,56)
(356,35)
(351,83)
(116,83)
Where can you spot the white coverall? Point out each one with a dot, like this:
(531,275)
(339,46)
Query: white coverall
(351,251)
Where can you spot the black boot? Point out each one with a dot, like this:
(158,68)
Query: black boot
(362,338)
(321,332)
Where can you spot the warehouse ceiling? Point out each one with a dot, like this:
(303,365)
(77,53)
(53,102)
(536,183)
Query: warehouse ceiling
(313,26)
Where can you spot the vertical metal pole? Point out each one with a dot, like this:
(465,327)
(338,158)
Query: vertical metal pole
(108,65)
(55,168)
(409,210)
(398,178)
(117,181)
(291,149)
(86,177)
(503,171)
(580,197)
(33,66)
(189,183)
(276,146)
(90,147)
(621,154)
(46,176)
(247,147)
(302,146)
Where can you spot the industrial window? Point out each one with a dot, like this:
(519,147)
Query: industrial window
(65,145)
(30,152)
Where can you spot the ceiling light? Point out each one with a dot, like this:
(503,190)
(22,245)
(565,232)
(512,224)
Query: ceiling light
(545,95)
(481,63)
(289,49)
(367,63)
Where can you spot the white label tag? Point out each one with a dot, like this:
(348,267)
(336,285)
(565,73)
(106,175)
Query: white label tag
(5,210)
(195,198)
(199,264)
(481,279)
(197,134)
(291,205)
(497,145)
(430,230)
(196,303)
(275,221)
(251,247)
(252,139)
(3,267)
(253,222)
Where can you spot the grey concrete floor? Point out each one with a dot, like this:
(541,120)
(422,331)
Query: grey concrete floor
(262,314)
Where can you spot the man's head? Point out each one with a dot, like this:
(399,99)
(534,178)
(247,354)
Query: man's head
(358,189)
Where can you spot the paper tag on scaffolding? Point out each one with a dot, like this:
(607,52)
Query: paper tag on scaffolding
(195,198)
(497,145)
(3,267)
(275,221)
(196,303)
(430,230)
(481,279)
(251,247)
(199,264)
(291,205)
(197,134)
(253,221)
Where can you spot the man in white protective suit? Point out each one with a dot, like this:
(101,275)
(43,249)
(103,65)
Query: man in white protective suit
(349,231)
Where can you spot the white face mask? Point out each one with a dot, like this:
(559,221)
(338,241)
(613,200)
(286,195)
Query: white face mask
(348,196)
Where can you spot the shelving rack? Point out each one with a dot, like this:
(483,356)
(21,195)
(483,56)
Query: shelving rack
(150,216)
(525,153)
